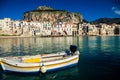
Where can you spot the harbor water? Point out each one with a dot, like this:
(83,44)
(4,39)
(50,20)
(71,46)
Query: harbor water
(99,56)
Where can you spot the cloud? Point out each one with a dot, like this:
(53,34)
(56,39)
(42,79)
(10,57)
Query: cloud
(113,8)
(116,10)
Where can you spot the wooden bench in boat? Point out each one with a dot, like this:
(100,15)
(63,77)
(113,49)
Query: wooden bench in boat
(42,58)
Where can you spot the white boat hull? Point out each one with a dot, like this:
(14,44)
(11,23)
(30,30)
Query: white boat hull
(12,66)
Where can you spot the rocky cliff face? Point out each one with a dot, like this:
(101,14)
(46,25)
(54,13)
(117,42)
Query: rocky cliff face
(44,13)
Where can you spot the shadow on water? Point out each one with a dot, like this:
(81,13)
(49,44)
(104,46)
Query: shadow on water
(66,74)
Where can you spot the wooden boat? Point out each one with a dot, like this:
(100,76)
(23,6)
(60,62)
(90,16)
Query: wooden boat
(40,63)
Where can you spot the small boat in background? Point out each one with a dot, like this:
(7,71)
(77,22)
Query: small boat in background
(41,63)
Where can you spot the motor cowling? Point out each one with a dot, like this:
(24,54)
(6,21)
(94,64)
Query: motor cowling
(73,48)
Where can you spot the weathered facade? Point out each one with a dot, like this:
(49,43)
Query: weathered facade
(46,21)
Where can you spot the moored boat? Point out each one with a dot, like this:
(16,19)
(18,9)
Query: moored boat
(41,63)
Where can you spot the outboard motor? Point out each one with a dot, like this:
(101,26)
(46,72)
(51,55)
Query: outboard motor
(73,48)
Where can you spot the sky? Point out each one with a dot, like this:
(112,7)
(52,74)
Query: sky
(90,9)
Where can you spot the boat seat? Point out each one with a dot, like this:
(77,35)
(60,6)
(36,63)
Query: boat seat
(48,59)
(34,59)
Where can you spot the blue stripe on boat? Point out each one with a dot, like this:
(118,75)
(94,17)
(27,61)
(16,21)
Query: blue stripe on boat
(35,72)
(60,68)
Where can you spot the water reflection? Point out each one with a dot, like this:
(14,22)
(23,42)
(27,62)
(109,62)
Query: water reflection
(99,55)
(29,46)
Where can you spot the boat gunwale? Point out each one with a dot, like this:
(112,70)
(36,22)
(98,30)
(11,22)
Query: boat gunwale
(38,64)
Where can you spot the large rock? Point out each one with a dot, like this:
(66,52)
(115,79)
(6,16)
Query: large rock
(44,13)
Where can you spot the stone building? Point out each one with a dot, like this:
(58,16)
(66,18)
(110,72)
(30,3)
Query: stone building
(46,28)
(5,23)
